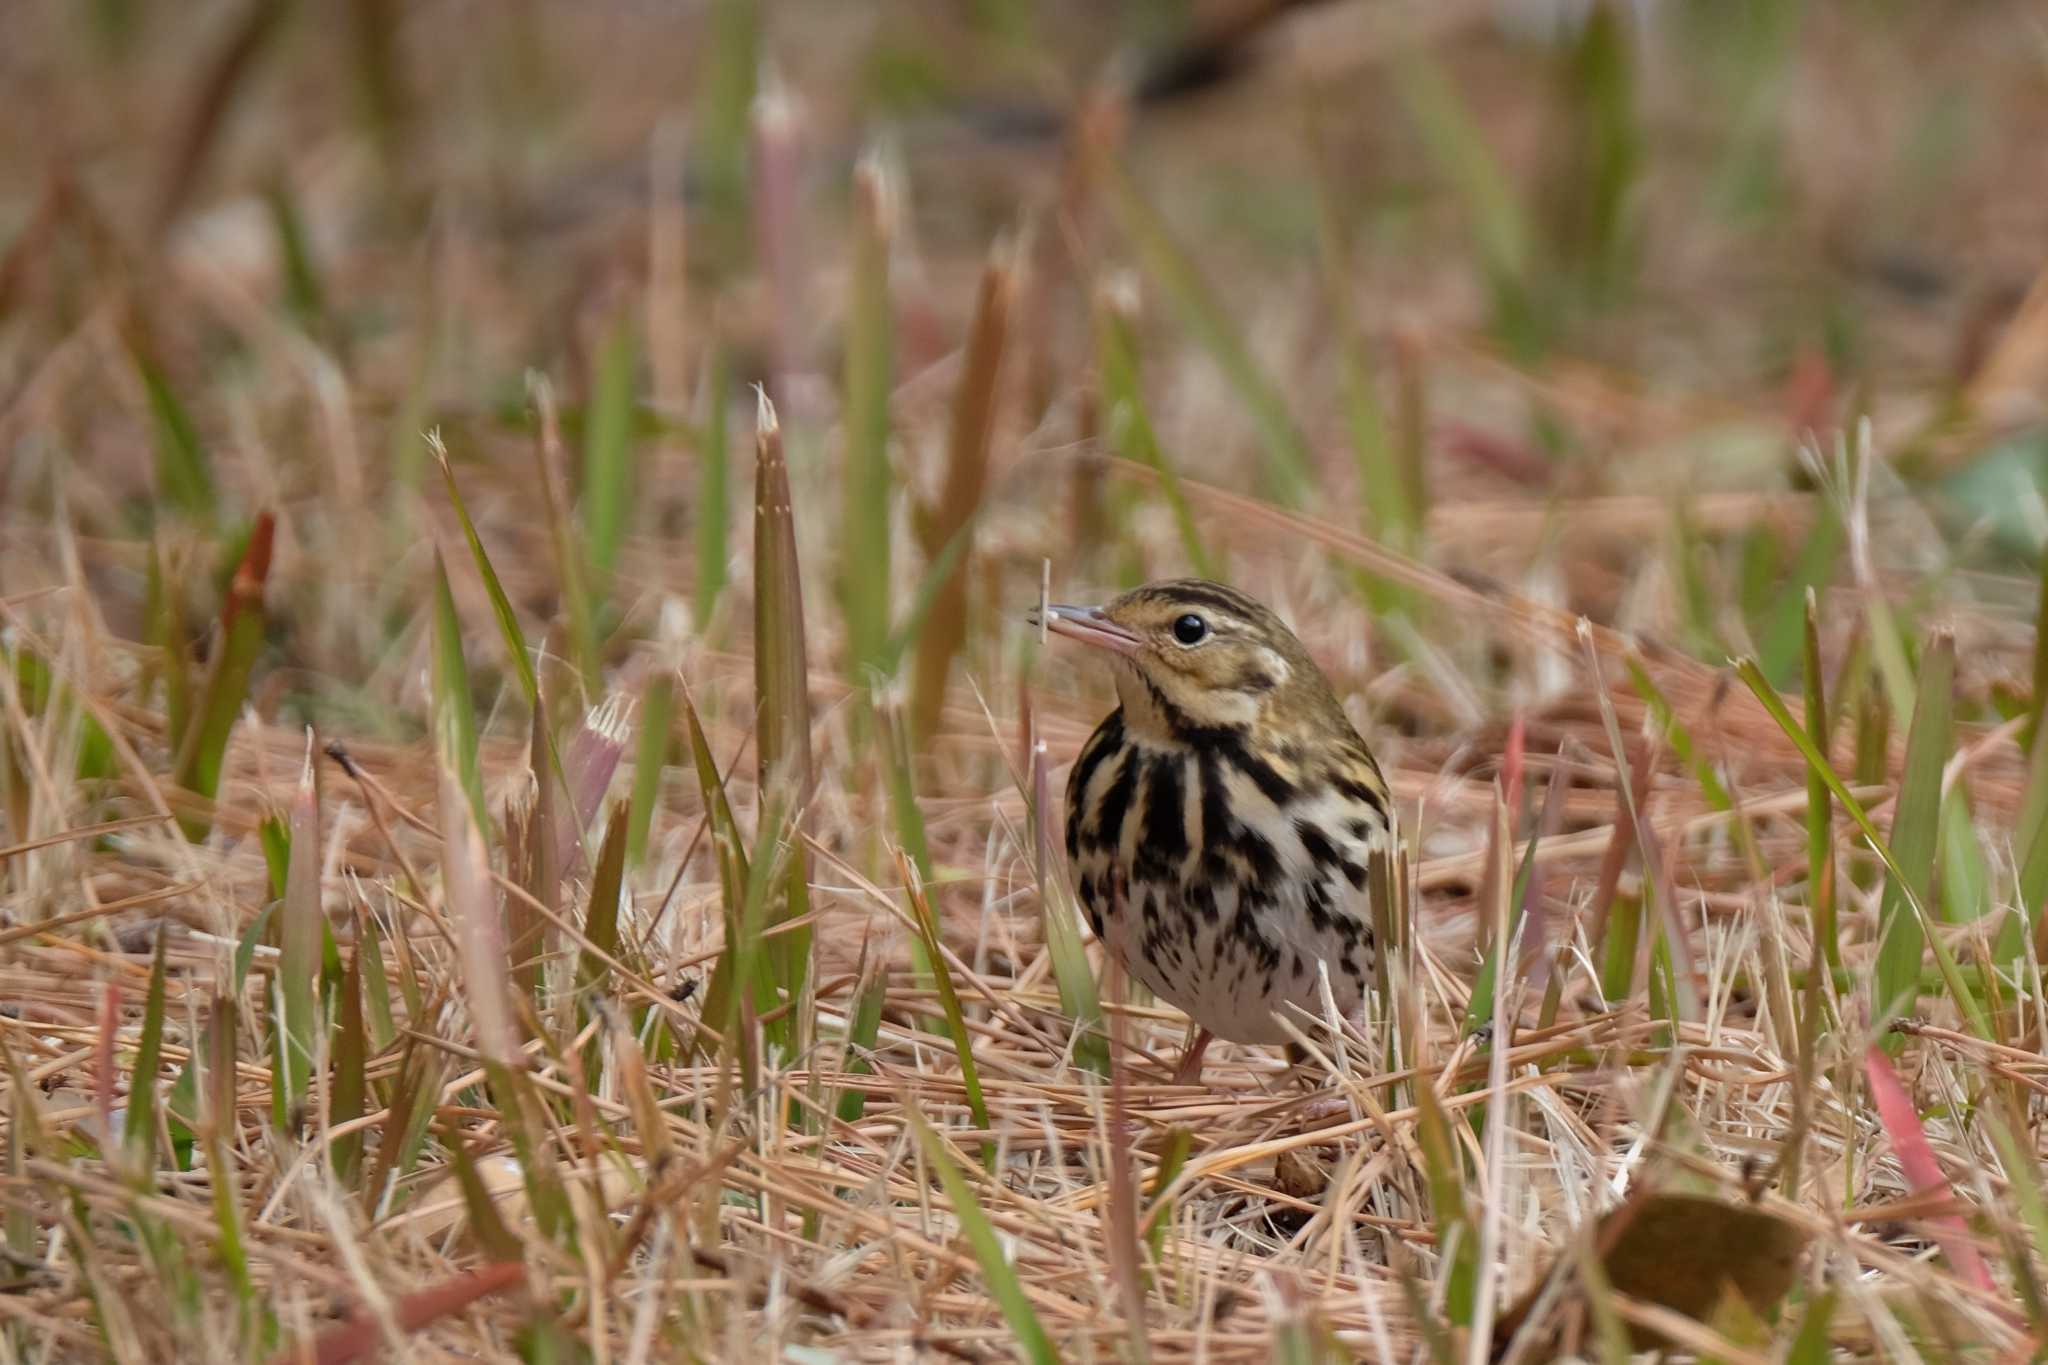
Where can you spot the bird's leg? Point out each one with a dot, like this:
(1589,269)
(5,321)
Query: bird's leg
(1189,1072)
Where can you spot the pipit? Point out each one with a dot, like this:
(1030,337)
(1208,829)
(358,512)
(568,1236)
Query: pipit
(1221,821)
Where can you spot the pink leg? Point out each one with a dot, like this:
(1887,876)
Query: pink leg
(1189,1072)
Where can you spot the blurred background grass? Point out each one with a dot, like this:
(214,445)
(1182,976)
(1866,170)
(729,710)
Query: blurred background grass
(1569,306)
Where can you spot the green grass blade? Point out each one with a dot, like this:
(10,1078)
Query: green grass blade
(577,599)
(501,605)
(454,706)
(1820,843)
(601,918)
(1915,835)
(300,928)
(946,528)
(1951,976)
(184,471)
(927,924)
(139,1126)
(1008,1290)
(609,473)
(650,757)
(227,683)
(863,1027)
(351,1051)
(1079,998)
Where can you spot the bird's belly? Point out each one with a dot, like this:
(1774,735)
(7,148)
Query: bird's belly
(1235,968)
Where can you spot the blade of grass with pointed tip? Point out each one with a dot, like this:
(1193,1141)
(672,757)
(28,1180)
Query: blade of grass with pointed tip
(869,482)
(454,705)
(501,605)
(608,454)
(782,696)
(486,1225)
(1004,1286)
(227,682)
(968,440)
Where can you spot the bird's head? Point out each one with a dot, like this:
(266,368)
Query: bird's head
(1191,655)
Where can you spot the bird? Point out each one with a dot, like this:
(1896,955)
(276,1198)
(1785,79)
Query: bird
(1222,820)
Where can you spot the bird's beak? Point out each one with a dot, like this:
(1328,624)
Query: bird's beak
(1090,627)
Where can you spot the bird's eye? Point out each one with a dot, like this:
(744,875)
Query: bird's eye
(1190,629)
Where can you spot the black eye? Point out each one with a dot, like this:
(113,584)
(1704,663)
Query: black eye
(1190,629)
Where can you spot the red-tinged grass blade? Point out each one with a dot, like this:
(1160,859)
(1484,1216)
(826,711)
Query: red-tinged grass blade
(608,453)
(650,757)
(454,705)
(348,1089)
(300,926)
(869,482)
(1032,1342)
(944,632)
(1966,1000)
(1915,834)
(1130,428)
(863,1027)
(361,1338)
(1820,812)
(479,933)
(1923,1172)
(569,555)
(140,1125)
(1288,471)
(501,605)
(589,762)
(927,925)
(198,767)
(1062,926)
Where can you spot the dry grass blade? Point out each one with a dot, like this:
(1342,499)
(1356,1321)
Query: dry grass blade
(944,632)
